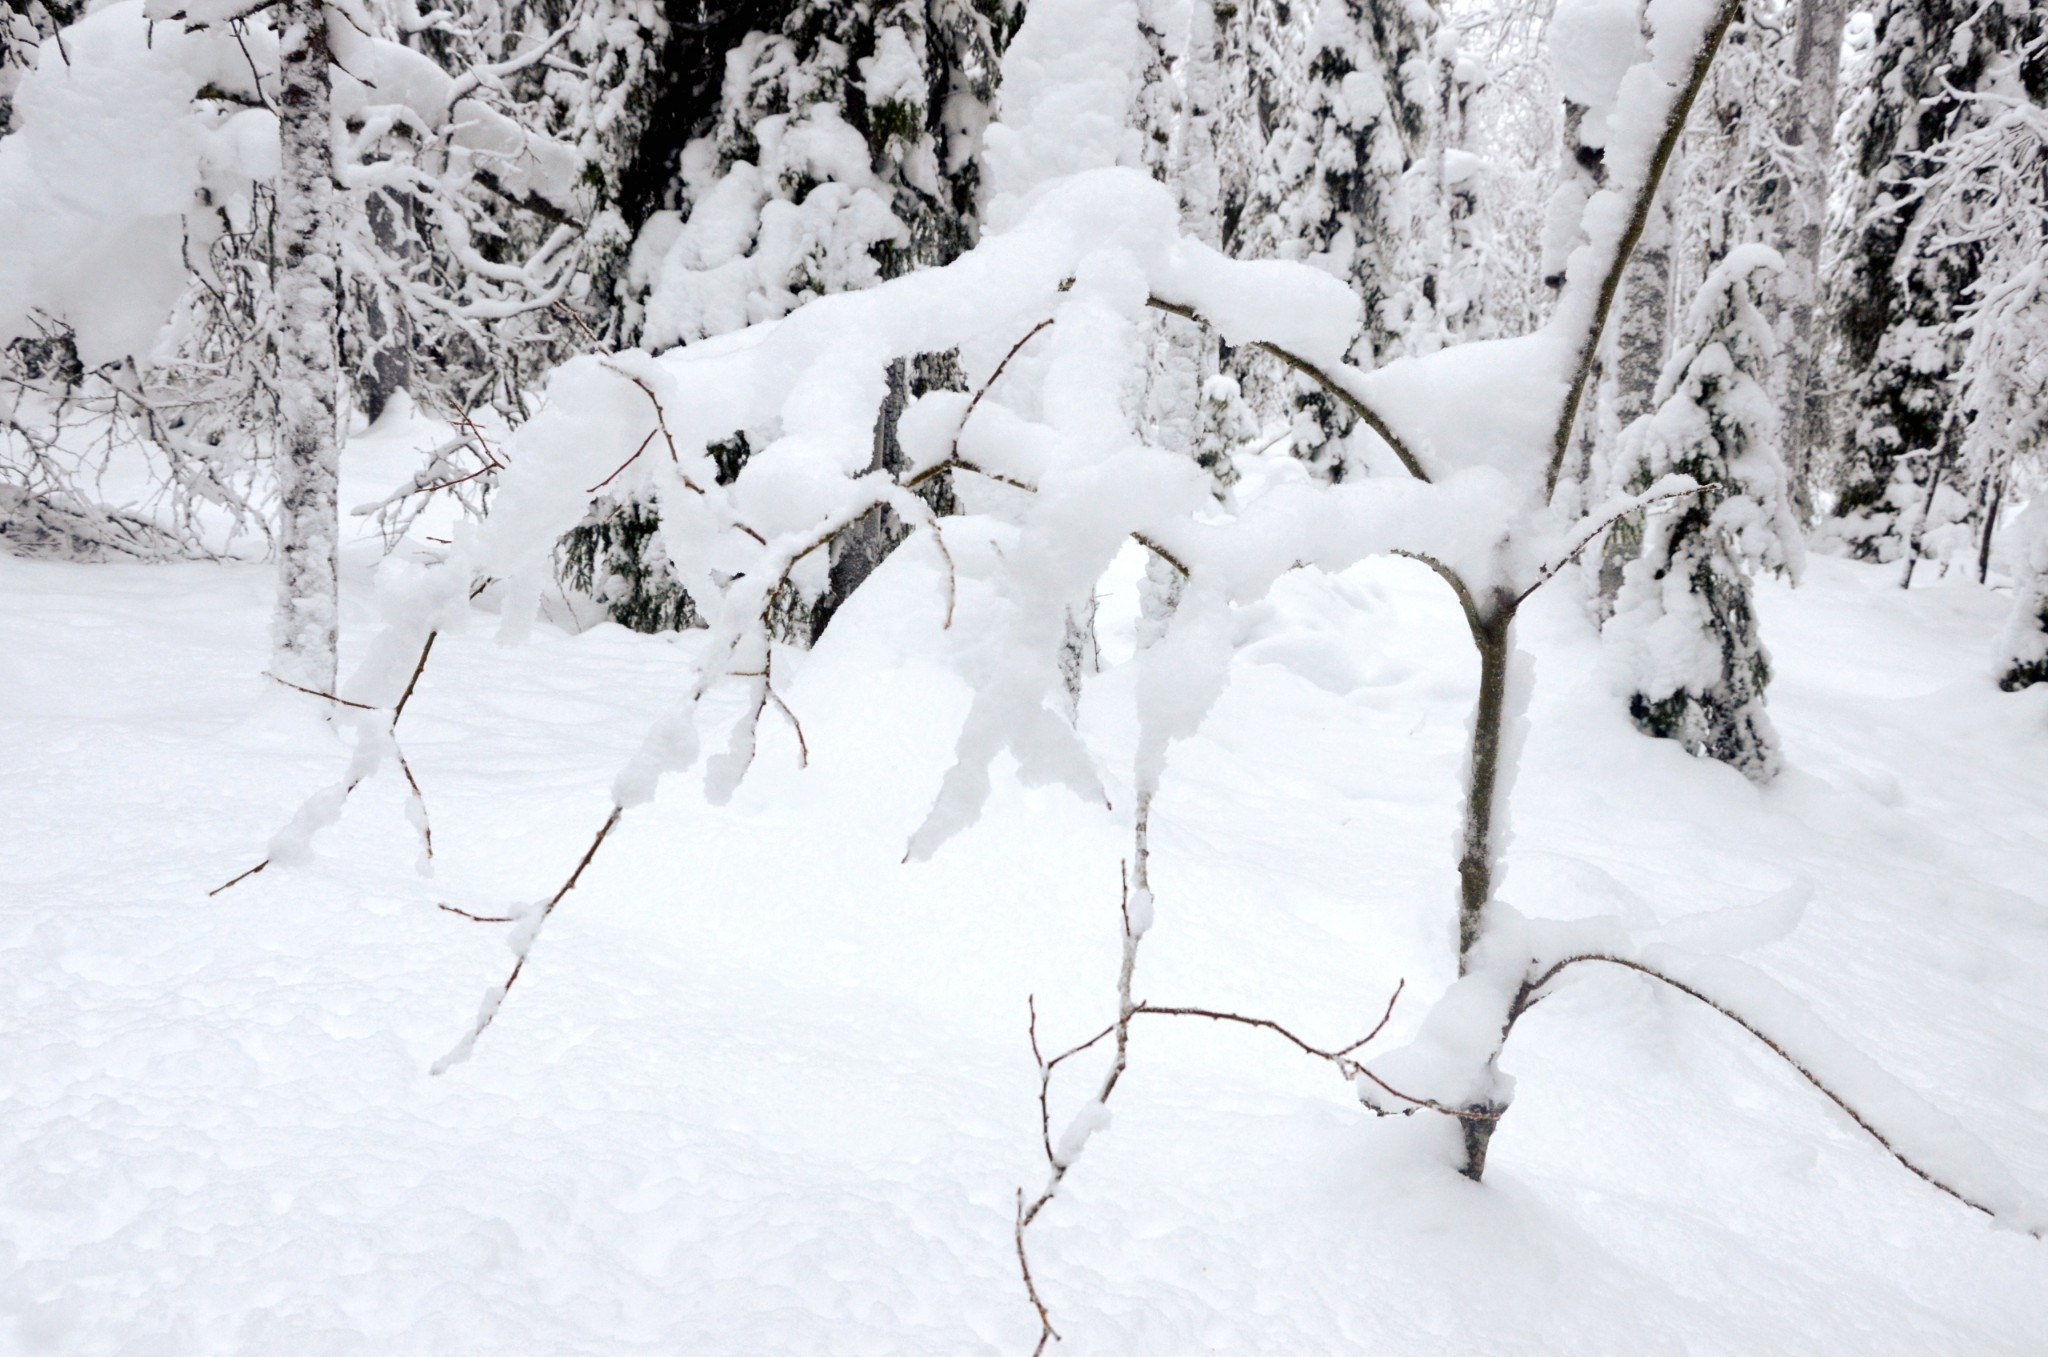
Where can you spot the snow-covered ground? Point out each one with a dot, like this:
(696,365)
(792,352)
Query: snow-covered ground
(765,1090)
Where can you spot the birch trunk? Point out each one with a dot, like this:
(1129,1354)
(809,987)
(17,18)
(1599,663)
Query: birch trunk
(308,360)
(1641,344)
(1810,133)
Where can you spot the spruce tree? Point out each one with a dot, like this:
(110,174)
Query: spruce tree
(1684,629)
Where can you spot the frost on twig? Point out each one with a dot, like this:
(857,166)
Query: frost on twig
(521,943)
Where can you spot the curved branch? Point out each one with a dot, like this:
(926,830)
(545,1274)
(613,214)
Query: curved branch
(1533,989)
(1466,601)
(1370,417)
(1631,236)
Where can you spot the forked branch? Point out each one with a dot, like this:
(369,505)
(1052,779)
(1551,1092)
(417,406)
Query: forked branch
(1061,1158)
(411,782)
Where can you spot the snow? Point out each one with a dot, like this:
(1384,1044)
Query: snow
(763,1089)
(104,160)
(1592,44)
(1068,80)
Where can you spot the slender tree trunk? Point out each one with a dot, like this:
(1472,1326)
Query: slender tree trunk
(1484,790)
(308,363)
(1489,780)
(1641,344)
(1990,526)
(1810,133)
(857,552)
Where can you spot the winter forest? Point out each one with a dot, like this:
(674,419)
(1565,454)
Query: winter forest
(1020,676)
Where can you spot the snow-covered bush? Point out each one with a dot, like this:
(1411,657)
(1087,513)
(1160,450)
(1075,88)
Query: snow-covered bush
(2023,650)
(1684,627)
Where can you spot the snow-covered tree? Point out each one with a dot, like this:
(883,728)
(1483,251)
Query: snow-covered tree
(1684,627)
(844,149)
(1808,136)
(305,635)
(1082,249)
(1731,182)
(1901,286)
(216,261)
(1987,192)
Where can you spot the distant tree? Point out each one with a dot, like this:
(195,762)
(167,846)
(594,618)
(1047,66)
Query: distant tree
(1901,287)
(1350,179)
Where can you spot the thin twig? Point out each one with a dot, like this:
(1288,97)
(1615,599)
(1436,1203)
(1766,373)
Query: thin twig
(803,748)
(397,711)
(1349,1068)
(1128,1009)
(1549,571)
(1152,545)
(1046,1332)
(953,453)
(959,464)
(419,799)
(480,918)
(623,465)
(462,1048)
(315,692)
(238,878)
(413,682)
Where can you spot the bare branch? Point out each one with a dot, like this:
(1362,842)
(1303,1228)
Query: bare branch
(492,1001)
(1532,991)
(315,692)
(397,711)
(953,453)
(480,918)
(413,682)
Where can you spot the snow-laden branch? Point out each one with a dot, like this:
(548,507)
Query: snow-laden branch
(1688,36)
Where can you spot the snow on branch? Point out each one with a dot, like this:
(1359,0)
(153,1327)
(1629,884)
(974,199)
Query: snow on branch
(1655,96)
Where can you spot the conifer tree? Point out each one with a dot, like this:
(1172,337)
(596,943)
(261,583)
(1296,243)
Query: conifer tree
(1684,629)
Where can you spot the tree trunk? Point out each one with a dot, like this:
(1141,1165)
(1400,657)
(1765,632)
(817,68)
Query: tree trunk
(308,367)
(1641,343)
(1810,133)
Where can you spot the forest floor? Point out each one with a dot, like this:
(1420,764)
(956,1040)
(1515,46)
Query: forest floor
(764,1090)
